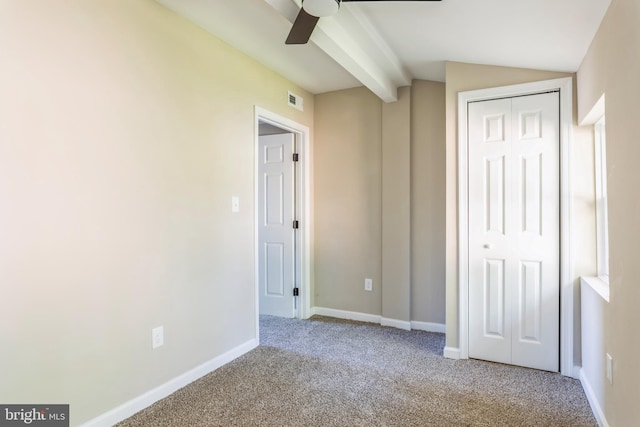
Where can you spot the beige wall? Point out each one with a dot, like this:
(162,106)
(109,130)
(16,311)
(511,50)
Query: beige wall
(347,167)
(124,132)
(396,208)
(379,202)
(612,67)
(428,201)
(464,77)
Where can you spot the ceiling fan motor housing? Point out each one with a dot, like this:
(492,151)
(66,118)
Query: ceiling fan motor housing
(321,8)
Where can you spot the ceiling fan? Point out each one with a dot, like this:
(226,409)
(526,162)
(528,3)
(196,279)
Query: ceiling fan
(311,12)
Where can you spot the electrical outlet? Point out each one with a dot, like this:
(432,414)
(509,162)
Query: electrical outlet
(368,285)
(157,337)
(610,368)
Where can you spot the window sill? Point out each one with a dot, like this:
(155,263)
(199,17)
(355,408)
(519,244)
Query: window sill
(597,284)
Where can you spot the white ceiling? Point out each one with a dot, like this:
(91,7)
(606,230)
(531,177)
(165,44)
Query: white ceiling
(383,45)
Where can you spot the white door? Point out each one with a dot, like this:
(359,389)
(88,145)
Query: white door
(276,208)
(514,231)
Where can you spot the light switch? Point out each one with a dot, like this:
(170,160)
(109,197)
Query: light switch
(235,204)
(157,337)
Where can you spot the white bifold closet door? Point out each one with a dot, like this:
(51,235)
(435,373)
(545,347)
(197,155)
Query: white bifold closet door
(514,230)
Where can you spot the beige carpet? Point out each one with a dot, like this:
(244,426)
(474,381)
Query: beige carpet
(328,372)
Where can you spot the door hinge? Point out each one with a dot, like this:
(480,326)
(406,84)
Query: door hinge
(296,224)
(296,157)
(296,292)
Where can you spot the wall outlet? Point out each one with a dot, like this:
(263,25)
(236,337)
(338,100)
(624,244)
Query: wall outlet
(368,285)
(157,337)
(610,368)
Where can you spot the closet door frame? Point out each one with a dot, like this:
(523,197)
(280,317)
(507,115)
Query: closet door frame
(564,86)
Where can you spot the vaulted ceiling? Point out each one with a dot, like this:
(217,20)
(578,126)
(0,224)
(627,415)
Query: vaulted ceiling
(384,45)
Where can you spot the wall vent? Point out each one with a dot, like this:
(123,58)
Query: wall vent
(295,101)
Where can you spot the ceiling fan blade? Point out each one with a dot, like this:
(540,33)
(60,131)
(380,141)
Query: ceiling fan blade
(302,28)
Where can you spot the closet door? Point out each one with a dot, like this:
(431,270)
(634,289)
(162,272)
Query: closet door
(514,245)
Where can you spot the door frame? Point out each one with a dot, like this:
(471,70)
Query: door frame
(564,86)
(303,208)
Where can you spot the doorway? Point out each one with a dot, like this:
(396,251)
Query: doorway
(564,87)
(282,222)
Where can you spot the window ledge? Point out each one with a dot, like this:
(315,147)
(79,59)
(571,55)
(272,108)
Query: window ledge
(597,284)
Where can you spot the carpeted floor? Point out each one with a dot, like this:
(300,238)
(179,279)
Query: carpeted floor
(329,372)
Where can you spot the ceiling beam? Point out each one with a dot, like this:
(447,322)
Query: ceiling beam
(348,38)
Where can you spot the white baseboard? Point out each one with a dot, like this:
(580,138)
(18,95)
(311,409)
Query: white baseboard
(428,326)
(349,315)
(394,323)
(576,372)
(145,400)
(451,353)
(598,413)
(374,318)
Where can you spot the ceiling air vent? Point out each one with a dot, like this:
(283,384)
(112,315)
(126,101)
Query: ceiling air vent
(295,101)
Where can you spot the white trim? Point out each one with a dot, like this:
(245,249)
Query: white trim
(303,187)
(602,220)
(147,399)
(349,315)
(597,111)
(598,413)
(452,353)
(564,85)
(598,285)
(383,321)
(428,326)
(575,372)
(395,323)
